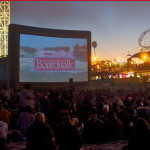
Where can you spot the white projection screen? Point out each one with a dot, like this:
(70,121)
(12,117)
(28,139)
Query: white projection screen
(53,59)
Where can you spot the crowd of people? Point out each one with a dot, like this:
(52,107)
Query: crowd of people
(65,119)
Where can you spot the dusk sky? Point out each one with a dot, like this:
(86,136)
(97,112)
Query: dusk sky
(115,26)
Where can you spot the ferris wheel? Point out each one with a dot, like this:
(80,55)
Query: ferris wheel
(140,41)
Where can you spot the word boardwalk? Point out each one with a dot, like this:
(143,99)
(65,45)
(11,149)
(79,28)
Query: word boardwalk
(54,64)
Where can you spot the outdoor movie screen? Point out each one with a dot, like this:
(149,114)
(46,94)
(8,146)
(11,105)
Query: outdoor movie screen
(53,59)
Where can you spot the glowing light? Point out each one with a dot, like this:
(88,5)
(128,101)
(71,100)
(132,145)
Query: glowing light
(144,56)
(96,77)
(124,76)
(130,74)
(94,58)
(120,76)
(98,66)
(121,61)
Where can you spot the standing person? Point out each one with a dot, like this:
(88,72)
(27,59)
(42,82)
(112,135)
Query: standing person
(39,135)
(3,134)
(25,119)
(27,97)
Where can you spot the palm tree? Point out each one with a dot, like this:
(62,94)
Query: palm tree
(94,45)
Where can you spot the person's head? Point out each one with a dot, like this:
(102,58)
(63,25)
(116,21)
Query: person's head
(28,86)
(121,108)
(93,115)
(106,108)
(142,101)
(40,117)
(106,103)
(28,109)
(2,107)
(115,105)
(120,103)
(75,122)
(66,121)
(111,115)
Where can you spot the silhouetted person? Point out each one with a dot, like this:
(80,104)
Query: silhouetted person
(67,136)
(93,130)
(113,127)
(123,116)
(141,137)
(39,135)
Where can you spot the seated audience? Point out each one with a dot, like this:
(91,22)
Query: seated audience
(118,108)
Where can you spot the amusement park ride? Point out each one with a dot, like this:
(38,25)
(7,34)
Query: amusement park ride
(144,47)
(137,65)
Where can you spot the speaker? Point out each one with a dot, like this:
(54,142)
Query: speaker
(70,80)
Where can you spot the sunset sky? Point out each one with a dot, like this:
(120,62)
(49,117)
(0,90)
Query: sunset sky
(115,26)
